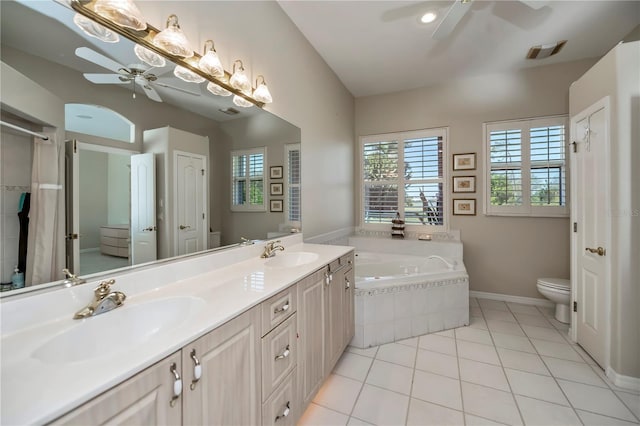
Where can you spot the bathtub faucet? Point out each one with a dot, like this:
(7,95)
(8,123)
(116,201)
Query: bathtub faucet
(450,264)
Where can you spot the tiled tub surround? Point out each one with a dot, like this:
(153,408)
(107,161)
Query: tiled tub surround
(401,293)
(227,283)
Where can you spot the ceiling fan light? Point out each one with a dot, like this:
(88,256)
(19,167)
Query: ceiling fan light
(210,62)
(122,12)
(187,75)
(262,94)
(149,57)
(218,90)
(173,40)
(239,79)
(94,29)
(241,102)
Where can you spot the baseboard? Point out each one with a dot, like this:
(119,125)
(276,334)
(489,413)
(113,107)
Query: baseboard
(513,299)
(90,250)
(330,237)
(622,381)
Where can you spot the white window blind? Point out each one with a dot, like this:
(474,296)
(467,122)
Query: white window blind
(293,206)
(526,168)
(403,173)
(247,180)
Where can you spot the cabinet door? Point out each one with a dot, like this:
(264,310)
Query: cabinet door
(144,399)
(311,319)
(349,302)
(334,331)
(228,392)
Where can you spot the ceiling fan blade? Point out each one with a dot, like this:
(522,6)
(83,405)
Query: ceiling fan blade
(451,19)
(535,4)
(105,78)
(148,90)
(189,92)
(98,59)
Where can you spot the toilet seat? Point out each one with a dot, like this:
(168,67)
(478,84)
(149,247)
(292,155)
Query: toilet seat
(559,284)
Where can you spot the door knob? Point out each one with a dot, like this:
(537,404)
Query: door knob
(151,228)
(599,251)
(183,227)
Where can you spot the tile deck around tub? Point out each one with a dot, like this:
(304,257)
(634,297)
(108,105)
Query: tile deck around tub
(515,367)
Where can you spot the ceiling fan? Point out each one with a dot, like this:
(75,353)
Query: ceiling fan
(136,74)
(460,7)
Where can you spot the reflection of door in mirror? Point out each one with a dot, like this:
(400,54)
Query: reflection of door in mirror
(143,209)
(191,197)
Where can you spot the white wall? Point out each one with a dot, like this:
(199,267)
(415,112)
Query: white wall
(502,254)
(616,75)
(119,189)
(93,193)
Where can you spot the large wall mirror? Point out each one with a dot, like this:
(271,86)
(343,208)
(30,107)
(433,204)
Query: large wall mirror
(148,176)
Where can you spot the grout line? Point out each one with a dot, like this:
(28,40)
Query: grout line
(413,379)
(464,418)
(362,385)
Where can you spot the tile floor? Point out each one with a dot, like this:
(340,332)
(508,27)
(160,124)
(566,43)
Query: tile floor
(513,365)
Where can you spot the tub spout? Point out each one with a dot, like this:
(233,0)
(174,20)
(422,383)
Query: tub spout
(451,264)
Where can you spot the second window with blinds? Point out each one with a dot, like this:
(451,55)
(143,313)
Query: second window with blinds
(404,173)
(247,180)
(526,167)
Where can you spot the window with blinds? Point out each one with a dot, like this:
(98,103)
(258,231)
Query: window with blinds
(292,206)
(403,173)
(247,180)
(526,167)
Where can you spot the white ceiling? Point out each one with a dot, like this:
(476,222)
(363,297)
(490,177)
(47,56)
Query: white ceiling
(378,47)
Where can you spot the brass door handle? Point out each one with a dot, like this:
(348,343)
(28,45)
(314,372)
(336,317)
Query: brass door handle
(183,227)
(151,228)
(599,251)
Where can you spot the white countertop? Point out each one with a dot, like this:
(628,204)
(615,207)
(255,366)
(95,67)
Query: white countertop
(35,391)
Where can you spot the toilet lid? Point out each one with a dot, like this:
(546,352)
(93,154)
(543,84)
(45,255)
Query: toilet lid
(559,283)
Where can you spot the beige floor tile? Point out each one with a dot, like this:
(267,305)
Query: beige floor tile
(437,389)
(423,413)
(381,407)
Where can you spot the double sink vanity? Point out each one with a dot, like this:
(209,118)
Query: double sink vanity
(221,338)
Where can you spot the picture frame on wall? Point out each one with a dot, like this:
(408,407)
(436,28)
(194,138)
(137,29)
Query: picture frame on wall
(464,161)
(276,189)
(464,184)
(464,207)
(276,206)
(275,172)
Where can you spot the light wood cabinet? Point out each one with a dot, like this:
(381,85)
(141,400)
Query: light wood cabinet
(349,284)
(334,322)
(143,399)
(228,393)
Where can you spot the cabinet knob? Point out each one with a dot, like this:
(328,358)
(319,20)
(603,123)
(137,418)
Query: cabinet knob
(177,384)
(348,284)
(197,370)
(285,413)
(282,309)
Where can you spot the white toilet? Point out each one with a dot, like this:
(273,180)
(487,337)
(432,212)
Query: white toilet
(558,290)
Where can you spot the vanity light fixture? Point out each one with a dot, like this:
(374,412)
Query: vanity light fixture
(94,29)
(173,40)
(210,62)
(122,12)
(216,89)
(262,93)
(185,75)
(149,57)
(239,79)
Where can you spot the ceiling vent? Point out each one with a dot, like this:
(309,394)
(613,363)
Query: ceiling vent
(545,50)
(229,111)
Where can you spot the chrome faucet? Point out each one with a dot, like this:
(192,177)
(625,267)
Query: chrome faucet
(105,300)
(71,279)
(271,248)
(246,242)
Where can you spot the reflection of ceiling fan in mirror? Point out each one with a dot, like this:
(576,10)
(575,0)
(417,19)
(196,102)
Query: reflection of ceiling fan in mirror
(136,74)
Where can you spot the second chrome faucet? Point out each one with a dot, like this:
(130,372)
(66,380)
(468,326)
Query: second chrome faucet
(271,248)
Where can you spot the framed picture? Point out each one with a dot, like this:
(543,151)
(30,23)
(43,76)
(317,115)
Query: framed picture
(276,205)
(464,184)
(464,161)
(275,172)
(464,207)
(275,189)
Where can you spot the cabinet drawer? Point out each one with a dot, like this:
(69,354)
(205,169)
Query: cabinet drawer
(279,353)
(114,232)
(283,408)
(277,308)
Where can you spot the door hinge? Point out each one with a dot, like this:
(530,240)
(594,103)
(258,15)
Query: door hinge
(203,216)
(575,306)
(575,226)
(574,146)
(202,170)
(75,146)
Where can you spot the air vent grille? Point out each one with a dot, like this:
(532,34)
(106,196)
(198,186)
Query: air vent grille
(545,50)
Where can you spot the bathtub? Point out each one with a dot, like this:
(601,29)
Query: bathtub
(407,288)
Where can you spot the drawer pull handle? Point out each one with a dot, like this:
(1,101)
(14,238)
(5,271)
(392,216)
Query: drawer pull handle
(285,413)
(328,277)
(282,309)
(348,286)
(177,384)
(284,354)
(197,370)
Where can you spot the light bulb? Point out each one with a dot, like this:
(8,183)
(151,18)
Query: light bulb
(187,75)
(122,12)
(239,79)
(173,40)
(241,102)
(94,29)
(216,89)
(210,62)
(149,57)
(261,94)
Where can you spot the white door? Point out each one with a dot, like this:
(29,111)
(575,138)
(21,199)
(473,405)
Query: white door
(72,201)
(190,201)
(590,202)
(143,209)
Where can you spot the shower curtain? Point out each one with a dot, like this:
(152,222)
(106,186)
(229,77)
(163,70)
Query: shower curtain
(45,250)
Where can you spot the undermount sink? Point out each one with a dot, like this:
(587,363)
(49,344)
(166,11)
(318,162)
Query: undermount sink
(291,259)
(117,330)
